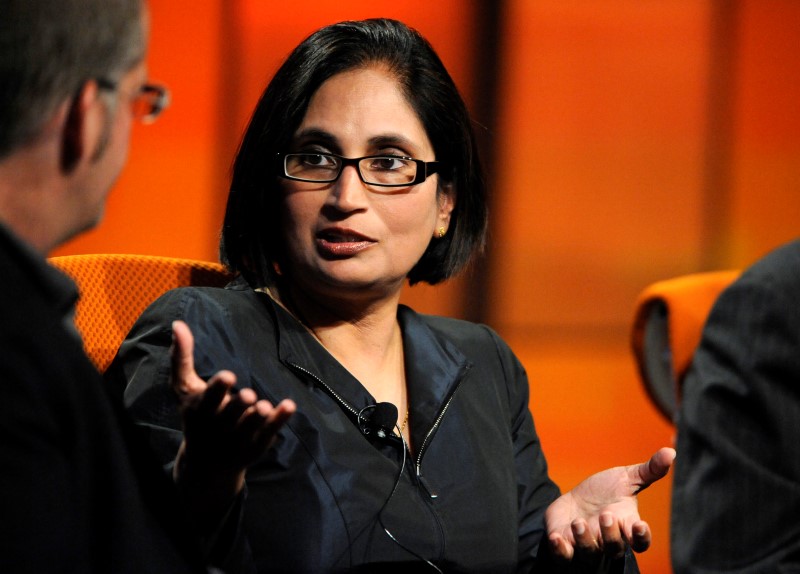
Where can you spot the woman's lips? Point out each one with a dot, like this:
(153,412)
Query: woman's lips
(342,243)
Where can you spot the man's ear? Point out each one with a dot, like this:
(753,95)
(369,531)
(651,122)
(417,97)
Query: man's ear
(77,133)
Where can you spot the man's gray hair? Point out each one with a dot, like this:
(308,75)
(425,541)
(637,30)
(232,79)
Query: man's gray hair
(50,48)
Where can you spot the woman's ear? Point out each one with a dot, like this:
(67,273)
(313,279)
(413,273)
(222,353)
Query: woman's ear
(446,197)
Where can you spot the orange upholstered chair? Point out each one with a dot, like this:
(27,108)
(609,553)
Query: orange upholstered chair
(115,289)
(667,326)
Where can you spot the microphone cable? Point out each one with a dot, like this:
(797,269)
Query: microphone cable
(385,504)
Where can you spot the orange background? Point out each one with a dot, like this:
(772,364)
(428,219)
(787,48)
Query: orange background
(626,141)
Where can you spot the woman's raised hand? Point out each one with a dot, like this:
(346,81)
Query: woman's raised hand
(224,430)
(600,515)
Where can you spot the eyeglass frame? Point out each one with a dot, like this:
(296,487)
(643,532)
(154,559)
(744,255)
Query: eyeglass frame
(157,104)
(428,168)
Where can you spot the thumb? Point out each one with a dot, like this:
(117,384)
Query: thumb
(184,378)
(646,473)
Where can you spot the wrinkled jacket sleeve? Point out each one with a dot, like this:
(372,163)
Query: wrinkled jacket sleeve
(141,372)
(536,491)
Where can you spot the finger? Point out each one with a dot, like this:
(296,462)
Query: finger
(643,475)
(560,548)
(283,411)
(641,537)
(184,378)
(256,429)
(275,418)
(587,546)
(611,534)
(248,395)
(271,419)
(216,394)
(253,422)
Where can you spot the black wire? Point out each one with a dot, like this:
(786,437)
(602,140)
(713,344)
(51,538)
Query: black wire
(385,504)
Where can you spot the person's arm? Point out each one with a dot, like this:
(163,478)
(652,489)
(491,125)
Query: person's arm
(736,493)
(40,524)
(588,529)
(535,490)
(224,428)
(224,432)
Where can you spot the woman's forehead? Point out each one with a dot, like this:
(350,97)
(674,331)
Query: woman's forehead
(364,104)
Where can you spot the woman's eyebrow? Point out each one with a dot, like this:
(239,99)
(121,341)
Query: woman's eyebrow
(384,140)
(315,134)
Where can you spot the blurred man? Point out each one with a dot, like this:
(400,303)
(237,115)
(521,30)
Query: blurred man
(71,74)
(76,492)
(736,492)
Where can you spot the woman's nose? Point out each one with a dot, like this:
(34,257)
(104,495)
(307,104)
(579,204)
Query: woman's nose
(349,192)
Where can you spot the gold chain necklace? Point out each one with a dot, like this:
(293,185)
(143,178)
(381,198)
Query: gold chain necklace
(272,296)
(405,422)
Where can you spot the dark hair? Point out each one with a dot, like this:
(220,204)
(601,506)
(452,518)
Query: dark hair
(251,243)
(49,49)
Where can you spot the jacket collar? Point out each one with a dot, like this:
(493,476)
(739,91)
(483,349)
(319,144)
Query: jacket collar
(55,289)
(434,367)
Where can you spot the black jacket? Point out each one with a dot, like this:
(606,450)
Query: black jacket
(76,491)
(328,497)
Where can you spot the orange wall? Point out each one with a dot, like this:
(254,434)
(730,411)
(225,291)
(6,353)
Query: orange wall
(638,140)
(634,141)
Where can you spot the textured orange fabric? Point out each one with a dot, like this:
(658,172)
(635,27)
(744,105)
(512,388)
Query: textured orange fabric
(115,289)
(688,300)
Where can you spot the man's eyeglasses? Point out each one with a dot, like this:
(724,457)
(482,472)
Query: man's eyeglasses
(147,103)
(377,170)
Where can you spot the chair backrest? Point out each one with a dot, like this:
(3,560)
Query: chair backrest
(667,328)
(115,289)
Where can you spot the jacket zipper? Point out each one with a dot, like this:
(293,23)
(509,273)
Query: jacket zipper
(330,391)
(418,465)
(345,404)
(425,441)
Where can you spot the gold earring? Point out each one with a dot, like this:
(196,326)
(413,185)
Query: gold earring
(440,232)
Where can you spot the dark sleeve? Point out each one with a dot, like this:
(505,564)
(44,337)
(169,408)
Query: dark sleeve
(535,490)
(73,494)
(736,490)
(39,523)
(141,372)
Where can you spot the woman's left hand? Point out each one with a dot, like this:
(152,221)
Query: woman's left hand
(600,516)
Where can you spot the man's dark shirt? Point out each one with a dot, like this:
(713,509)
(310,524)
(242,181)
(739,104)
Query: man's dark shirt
(76,494)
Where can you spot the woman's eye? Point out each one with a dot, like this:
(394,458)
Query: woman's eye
(388,163)
(318,160)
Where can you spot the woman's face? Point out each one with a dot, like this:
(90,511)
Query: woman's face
(343,237)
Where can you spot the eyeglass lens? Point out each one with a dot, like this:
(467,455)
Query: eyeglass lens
(150,102)
(378,170)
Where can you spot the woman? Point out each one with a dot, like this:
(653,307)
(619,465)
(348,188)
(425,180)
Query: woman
(412,441)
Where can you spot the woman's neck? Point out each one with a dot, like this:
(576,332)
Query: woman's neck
(353,332)
(366,340)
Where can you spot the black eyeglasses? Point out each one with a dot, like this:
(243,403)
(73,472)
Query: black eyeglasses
(147,104)
(378,170)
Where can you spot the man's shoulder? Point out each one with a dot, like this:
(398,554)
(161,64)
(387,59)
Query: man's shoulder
(778,269)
